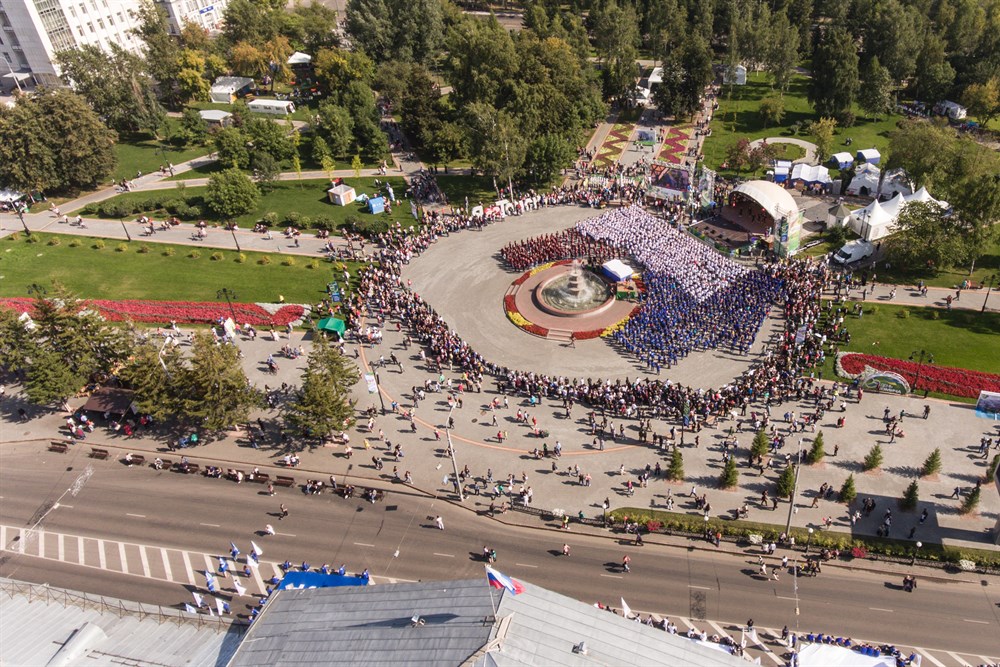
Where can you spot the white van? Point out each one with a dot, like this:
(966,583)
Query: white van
(273,107)
(853,251)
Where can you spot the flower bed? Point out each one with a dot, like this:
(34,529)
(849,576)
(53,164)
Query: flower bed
(182,312)
(940,379)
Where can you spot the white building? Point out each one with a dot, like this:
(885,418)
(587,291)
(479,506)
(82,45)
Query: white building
(32,32)
(204,13)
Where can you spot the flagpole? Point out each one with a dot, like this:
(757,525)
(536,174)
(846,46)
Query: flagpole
(486,571)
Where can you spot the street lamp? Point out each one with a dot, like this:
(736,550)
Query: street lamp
(232,230)
(228,295)
(378,390)
(20,214)
(990,287)
(915,551)
(921,358)
(795,488)
(809,539)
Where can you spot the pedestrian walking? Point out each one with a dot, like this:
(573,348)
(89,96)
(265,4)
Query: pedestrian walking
(565,550)
(439,522)
(269,529)
(625,563)
(283,511)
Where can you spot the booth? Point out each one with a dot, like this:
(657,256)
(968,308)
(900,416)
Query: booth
(895,182)
(878,219)
(227,89)
(341,195)
(617,270)
(216,117)
(811,175)
(842,160)
(782,168)
(952,110)
(299,58)
(837,216)
(869,155)
(273,107)
(376,205)
(865,181)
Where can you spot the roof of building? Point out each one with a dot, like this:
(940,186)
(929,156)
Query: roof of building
(110,399)
(231,83)
(453,623)
(43,625)
(775,199)
(214,114)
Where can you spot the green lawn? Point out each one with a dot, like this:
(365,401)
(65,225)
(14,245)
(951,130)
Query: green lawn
(960,338)
(107,273)
(306,197)
(146,154)
(738,117)
(479,189)
(987,265)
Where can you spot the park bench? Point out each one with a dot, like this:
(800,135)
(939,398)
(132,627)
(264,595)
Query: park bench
(60,447)
(190,468)
(101,454)
(137,460)
(281,480)
(167,464)
(262,478)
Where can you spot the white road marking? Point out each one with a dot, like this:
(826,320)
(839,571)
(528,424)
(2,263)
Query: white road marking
(881,609)
(41,542)
(138,516)
(444,555)
(701,588)
(62,548)
(686,622)
(526,565)
(291,535)
(187,566)
(970,620)
(3,536)
(255,573)
(101,556)
(79,551)
(363,544)
(784,597)
(166,564)
(64,507)
(145,561)
(121,554)
(959,660)
(930,657)
(210,525)
(613,576)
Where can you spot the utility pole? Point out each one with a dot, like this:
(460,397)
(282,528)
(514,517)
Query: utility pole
(454,465)
(795,488)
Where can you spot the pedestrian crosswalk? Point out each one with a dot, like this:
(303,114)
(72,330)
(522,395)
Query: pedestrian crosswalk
(157,563)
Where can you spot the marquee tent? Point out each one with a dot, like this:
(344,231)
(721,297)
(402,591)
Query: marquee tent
(617,270)
(878,219)
(299,58)
(773,198)
(226,89)
(781,170)
(811,174)
(865,181)
(895,182)
(869,155)
(842,160)
(829,655)
(376,205)
(341,195)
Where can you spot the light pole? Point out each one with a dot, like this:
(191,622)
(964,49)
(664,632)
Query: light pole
(809,539)
(232,230)
(921,358)
(988,289)
(20,214)
(795,488)
(228,295)
(127,235)
(454,465)
(915,552)
(378,389)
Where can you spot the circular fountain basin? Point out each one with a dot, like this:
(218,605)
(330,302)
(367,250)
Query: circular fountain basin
(560,295)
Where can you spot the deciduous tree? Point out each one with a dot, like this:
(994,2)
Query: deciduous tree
(834,83)
(231,193)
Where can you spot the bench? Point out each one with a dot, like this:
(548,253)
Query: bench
(60,447)
(261,478)
(359,492)
(281,480)
(167,464)
(190,468)
(137,460)
(101,454)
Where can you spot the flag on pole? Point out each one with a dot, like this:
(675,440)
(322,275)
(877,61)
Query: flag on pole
(208,575)
(219,606)
(499,580)
(234,550)
(626,610)
(240,588)
(189,609)
(257,551)
(210,586)
(198,600)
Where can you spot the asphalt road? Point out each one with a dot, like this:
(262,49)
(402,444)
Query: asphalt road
(170,511)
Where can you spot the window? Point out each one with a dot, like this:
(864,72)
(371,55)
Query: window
(90,26)
(79,29)
(100,24)
(111,20)
(83,8)
(72,11)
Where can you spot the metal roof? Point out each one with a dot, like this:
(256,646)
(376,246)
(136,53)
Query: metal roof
(374,625)
(47,626)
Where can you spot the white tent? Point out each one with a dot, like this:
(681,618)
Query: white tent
(842,160)
(830,655)
(617,269)
(226,89)
(299,58)
(655,77)
(781,170)
(865,181)
(869,155)
(895,182)
(953,110)
(878,219)
(811,174)
(341,195)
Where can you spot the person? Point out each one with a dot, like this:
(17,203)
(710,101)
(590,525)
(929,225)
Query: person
(439,522)
(269,529)
(565,550)
(625,563)
(284,512)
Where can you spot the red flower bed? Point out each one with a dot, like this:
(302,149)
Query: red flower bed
(182,312)
(942,379)
(508,303)
(535,329)
(587,335)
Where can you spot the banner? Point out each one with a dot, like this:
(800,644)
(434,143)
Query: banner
(370,381)
(988,405)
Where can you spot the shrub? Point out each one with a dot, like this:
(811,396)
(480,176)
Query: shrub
(217,257)
(760,444)
(874,458)
(971,501)
(99,244)
(992,469)
(324,222)
(730,476)
(288,261)
(173,205)
(33,238)
(786,482)
(54,240)
(370,225)
(847,491)
(241,258)
(676,469)
(903,314)
(264,261)
(816,453)
(292,218)
(932,464)
(143,249)
(75,243)
(194,254)
(935,315)
(873,310)
(313,264)
(169,252)
(121,247)
(304,222)
(270,219)
(910,497)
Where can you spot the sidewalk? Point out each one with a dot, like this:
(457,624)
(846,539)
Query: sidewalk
(909,295)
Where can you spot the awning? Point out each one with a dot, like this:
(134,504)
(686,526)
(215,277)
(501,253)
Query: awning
(107,399)
(17,76)
(332,324)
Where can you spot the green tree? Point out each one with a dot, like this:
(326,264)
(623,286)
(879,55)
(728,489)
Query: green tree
(932,464)
(49,380)
(847,491)
(356,166)
(336,68)
(934,74)
(834,83)
(317,25)
(162,50)
(546,157)
(772,110)
(616,36)
(686,72)
(786,482)
(252,21)
(910,497)
(322,405)
(320,150)
(269,137)
(194,127)
(116,84)
(447,143)
(231,148)
(498,148)
(873,460)
(991,470)
(875,96)
(730,476)
(337,126)
(761,443)
(738,155)
(822,131)
(213,390)
(971,501)
(231,193)
(983,99)
(782,51)
(675,471)
(395,30)
(927,236)
(153,374)
(265,171)
(816,452)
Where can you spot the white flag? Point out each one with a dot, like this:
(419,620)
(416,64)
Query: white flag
(218,606)
(240,589)
(208,575)
(626,610)
(198,600)
(211,585)
(189,609)
(257,550)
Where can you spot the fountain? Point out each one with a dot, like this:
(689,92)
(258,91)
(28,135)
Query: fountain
(574,292)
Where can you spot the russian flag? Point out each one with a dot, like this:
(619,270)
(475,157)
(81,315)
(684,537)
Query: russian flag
(500,580)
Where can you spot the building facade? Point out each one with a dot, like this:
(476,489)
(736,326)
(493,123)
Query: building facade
(204,13)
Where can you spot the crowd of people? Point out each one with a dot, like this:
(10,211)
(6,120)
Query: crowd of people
(566,244)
